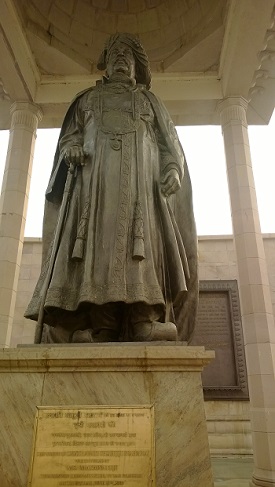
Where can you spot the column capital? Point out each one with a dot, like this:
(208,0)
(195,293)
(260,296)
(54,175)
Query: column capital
(26,114)
(233,109)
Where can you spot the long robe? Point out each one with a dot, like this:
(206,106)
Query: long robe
(130,144)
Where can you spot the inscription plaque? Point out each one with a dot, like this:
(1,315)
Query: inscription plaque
(219,328)
(93,446)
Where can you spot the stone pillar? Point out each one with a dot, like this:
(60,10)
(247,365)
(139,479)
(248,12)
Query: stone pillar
(256,305)
(13,207)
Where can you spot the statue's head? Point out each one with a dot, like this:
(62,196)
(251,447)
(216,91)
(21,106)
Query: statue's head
(124,53)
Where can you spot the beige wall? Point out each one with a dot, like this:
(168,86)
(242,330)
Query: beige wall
(217,260)
(216,257)
(228,425)
(23,330)
(228,421)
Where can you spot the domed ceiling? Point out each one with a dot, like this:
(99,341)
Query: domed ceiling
(67,36)
(200,51)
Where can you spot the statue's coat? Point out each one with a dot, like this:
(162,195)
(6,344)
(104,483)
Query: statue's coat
(101,213)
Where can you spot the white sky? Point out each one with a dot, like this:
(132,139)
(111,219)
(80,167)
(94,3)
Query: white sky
(204,151)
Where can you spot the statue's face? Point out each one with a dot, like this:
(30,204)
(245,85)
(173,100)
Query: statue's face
(121,60)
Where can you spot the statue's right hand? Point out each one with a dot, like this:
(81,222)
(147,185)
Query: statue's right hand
(74,155)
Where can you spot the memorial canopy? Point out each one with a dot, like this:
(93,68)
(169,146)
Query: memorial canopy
(213,61)
(200,51)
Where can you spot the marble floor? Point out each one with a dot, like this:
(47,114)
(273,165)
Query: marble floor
(232,472)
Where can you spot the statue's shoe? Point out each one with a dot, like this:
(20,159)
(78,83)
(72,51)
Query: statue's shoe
(82,336)
(155,331)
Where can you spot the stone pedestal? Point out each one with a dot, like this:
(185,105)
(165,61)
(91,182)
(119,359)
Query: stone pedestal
(168,377)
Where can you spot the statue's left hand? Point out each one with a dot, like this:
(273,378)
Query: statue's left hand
(170,182)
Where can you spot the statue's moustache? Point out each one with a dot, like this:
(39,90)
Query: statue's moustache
(121,58)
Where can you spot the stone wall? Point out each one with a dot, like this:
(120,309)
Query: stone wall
(228,421)
(216,261)
(23,330)
(228,427)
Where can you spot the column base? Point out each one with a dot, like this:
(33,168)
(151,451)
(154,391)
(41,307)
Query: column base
(259,482)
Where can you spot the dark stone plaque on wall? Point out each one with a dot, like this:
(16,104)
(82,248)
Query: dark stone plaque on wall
(219,328)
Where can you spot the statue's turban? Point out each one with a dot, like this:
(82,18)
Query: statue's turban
(142,69)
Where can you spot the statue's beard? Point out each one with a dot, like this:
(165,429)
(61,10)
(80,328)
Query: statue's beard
(121,77)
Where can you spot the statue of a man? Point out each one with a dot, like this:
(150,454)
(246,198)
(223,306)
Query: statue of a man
(126,264)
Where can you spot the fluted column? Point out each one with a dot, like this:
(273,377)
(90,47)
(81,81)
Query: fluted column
(13,207)
(256,305)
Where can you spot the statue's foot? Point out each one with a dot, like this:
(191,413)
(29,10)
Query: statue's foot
(105,335)
(155,331)
(82,336)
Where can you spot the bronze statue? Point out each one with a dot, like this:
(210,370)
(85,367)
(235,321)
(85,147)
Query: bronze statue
(122,265)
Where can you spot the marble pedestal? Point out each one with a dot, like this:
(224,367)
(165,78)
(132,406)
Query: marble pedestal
(165,376)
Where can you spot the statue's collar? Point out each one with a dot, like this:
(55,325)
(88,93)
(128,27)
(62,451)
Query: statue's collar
(119,78)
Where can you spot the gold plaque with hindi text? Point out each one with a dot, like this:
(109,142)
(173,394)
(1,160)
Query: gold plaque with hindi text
(93,447)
